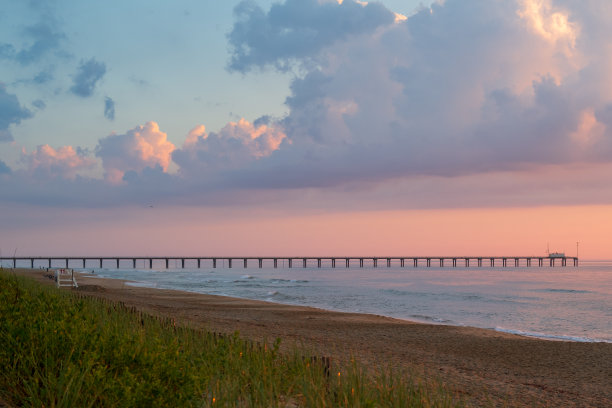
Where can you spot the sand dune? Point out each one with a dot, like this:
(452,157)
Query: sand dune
(484,367)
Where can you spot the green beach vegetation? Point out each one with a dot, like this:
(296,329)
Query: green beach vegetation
(63,349)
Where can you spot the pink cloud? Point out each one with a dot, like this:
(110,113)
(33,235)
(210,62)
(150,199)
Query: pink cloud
(139,148)
(194,134)
(261,140)
(463,87)
(64,162)
(235,145)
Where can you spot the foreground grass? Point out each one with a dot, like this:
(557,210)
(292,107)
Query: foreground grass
(58,349)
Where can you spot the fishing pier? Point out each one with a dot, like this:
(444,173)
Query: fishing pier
(173,262)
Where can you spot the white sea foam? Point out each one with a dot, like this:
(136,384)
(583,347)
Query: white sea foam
(430,319)
(142,284)
(552,336)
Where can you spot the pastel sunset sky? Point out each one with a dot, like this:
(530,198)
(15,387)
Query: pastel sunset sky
(306,127)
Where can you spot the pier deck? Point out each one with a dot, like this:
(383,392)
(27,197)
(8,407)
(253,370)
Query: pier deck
(287,261)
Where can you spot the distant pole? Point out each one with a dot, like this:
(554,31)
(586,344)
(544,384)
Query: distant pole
(577,243)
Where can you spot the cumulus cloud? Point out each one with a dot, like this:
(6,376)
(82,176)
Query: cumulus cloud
(297,29)
(553,25)
(462,87)
(11,113)
(109,108)
(234,146)
(64,162)
(140,148)
(466,103)
(87,76)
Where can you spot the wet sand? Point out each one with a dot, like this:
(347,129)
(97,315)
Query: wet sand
(484,367)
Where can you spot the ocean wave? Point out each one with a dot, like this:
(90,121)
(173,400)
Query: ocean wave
(558,337)
(430,319)
(249,284)
(280,280)
(469,297)
(141,284)
(398,292)
(199,284)
(280,297)
(552,290)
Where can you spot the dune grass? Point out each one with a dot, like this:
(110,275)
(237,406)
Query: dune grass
(60,349)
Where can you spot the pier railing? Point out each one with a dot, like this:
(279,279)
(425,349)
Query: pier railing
(290,262)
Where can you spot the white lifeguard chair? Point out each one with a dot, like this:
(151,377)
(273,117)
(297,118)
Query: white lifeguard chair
(64,277)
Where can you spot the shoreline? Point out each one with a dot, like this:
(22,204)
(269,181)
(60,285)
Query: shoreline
(534,335)
(486,367)
(410,319)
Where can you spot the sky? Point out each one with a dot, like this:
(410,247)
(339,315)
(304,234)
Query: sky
(306,127)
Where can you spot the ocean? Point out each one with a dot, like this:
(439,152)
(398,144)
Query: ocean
(556,303)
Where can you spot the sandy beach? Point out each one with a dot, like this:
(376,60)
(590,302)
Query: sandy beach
(484,367)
